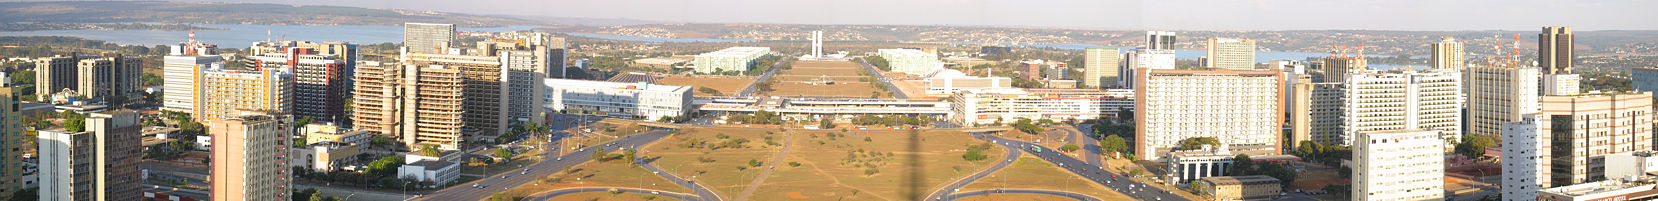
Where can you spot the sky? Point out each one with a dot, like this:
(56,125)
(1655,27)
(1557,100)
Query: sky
(1424,15)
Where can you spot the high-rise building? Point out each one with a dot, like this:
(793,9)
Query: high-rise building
(1525,144)
(976,107)
(1031,71)
(1644,79)
(1554,50)
(1403,100)
(222,93)
(817,44)
(1144,58)
(249,154)
(1100,67)
(485,83)
(1585,128)
(1243,109)
(910,60)
(1336,69)
(527,56)
(1398,165)
(1299,101)
(1328,108)
(179,70)
(1160,40)
(320,75)
(548,52)
(1499,94)
(1448,54)
(1561,84)
(11,139)
(1231,53)
(96,162)
(742,59)
(421,103)
(428,38)
(109,79)
(56,74)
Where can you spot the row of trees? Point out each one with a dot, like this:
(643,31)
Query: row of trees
(889,120)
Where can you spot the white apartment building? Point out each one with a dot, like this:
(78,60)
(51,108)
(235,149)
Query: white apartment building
(438,173)
(1403,100)
(617,99)
(988,106)
(1100,67)
(734,59)
(1561,84)
(1585,128)
(1231,53)
(1327,109)
(178,77)
(1524,162)
(910,60)
(1241,108)
(1499,94)
(1398,165)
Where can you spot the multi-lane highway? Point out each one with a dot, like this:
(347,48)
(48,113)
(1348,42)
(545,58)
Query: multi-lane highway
(944,192)
(549,165)
(1120,183)
(1071,195)
(702,191)
(549,195)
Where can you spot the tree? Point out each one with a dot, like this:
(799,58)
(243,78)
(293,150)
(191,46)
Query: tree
(385,166)
(74,122)
(302,122)
(30,194)
(631,155)
(1241,165)
(1473,146)
(1069,148)
(754,162)
(1197,188)
(304,194)
(598,154)
(431,150)
(878,62)
(1027,126)
(1198,142)
(1113,144)
(504,154)
(710,91)
(825,123)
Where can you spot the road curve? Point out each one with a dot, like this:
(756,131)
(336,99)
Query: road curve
(1120,183)
(1024,191)
(942,192)
(498,183)
(702,191)
(549,195)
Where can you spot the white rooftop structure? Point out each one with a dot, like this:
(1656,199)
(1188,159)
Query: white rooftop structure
(729,59)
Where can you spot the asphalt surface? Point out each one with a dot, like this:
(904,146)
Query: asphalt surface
(1120,183)
(549,165)
(701,191)
(1090,146)
(944,192)
(896,94)
(549,195)
(1024,191)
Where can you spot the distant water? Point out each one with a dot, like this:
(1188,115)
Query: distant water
(649,39)
(1186,54)
(242,36)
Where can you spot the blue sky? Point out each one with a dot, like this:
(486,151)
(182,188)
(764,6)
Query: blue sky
(1093,14)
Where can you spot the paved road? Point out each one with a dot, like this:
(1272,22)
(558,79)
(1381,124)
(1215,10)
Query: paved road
(1120,183)
(944,192)
(508,180)
(896,94)
(702,191)
(1024,191)
(549,195)
(750,90)
(770,167)
(1090,146)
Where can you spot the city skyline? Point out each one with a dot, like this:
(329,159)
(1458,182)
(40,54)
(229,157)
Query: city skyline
(1423,15)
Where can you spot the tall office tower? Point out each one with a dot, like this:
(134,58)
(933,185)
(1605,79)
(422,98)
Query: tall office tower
(1585,128)
(109,79)
(1160,40)
(1243,109)
(98,162)
(552,60)
(485,83)
(527,57)
(56,74)
(1525,144)
(1327,115)
(1100,67)
(1231,53)
(1336,69)
(1499,94)
(422,103)
(11,139)
(1448,54)
(179,70)
(1404,100)
(1299,100)
(428,38)
(320,75)
(1554,50)
(1644,79)
(377,91)
(248,157)
(1561,84)
(1143,58)
(817,44)
(1398,165)
(1032,71)
(899,60)
(224,93)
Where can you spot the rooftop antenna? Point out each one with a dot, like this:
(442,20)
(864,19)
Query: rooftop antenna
(1344,50)
(267,35)
(192,35)
(1361,49)
(1516,48)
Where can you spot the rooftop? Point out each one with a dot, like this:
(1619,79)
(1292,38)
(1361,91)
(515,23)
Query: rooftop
(645,86)
(1238,180)
(432,164)
(737,52)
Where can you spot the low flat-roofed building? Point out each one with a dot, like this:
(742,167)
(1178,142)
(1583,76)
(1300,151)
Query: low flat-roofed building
(1608,190)
(617,99)
(325,156)
(1240,187)
(1188,165)
(437,173)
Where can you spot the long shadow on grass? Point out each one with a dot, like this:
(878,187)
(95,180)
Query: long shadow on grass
(914,186)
